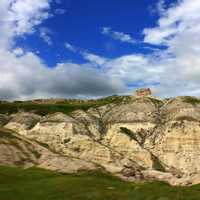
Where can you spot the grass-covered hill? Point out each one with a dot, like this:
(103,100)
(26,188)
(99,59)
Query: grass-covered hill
(49,106)
(38,184)
(43,107)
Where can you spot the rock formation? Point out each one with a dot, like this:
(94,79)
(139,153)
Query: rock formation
(20,151)
(143,92)
(141,138)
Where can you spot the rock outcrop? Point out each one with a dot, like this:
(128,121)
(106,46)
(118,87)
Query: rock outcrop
(143,92)
(142,138)
(17,150)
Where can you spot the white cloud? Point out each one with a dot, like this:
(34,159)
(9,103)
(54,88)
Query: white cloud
(24,74)
(18,52)
(70,47)
(129,69)
(182,17)
(27,77)
(94,59)
(20,17)
(123,37)
(134,69)
(159,8)
(27,13)
(177,69)
(45,35)
(178,29)
(58,1)
(60,11)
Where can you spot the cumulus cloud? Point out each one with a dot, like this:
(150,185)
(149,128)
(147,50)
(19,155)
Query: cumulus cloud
(181,18)
(94,59)
(173,71)
(20,17)
(123,37)
(158,9)
(70,47)
(24,74)
(45,35)
(178,29)
(58,1)
(18,52)
(60,11)
(27,77)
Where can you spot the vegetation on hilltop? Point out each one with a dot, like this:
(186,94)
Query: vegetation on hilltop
(67,106)
(191,100)
(47,108)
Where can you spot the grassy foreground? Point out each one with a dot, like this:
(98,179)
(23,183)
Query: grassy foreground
(38,184)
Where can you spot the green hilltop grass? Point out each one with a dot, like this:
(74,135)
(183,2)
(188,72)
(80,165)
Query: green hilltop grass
(38,184)
(41,109)
(64,107)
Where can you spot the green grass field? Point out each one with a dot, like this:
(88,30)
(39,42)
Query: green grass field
(38,184)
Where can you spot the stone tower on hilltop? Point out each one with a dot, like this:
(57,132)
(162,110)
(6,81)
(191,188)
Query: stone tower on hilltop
(143,92)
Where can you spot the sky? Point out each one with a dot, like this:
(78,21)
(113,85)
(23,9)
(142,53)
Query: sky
(92,48)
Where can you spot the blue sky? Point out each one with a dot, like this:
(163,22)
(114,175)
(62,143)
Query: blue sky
(90,49)
(81,26)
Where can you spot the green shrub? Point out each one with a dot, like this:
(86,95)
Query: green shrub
(191,100)
(156,102)
(128,133)
(157,164)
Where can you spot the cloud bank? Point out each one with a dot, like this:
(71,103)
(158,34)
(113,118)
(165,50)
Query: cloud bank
(173,71)
(24,75)
(178,29)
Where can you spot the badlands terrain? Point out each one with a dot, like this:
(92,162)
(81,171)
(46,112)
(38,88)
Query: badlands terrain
(137,138)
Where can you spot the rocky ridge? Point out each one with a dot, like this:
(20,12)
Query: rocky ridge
(136,138)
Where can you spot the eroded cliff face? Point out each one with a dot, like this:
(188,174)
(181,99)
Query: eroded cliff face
(177,140)
(17,150)
(136,138)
